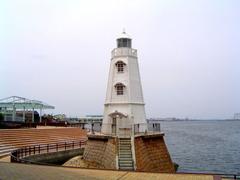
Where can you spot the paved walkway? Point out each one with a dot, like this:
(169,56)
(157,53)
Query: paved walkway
(11,171)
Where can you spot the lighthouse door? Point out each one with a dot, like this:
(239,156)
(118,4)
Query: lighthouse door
(114,129)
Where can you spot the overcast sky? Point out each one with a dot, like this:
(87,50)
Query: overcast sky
(58,51)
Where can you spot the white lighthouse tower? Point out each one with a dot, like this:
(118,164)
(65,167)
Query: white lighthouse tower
(125,134)
(124,104)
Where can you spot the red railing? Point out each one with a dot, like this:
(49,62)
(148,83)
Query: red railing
(19,154)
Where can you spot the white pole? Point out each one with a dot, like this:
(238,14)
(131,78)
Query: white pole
(5,114)
(24,114)
(13,113)
(33,115)
(40,114)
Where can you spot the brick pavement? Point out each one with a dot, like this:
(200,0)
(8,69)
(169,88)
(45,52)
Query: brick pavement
(10,171)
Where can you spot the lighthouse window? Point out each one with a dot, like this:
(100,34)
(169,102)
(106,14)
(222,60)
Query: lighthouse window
(120,66)
(119,88)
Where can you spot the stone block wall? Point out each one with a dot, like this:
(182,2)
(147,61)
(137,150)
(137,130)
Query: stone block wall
(109,156)
(152,154)
(101,151)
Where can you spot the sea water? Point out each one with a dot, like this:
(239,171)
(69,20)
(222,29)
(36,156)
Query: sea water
(211,146)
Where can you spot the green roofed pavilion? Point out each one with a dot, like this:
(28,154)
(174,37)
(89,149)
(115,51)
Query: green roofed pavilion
(14,103)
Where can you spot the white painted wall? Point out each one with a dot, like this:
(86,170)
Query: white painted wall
(131,103)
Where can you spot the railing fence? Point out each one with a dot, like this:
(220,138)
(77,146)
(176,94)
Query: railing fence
(19,154)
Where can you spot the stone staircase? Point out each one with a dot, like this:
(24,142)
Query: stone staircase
(125,160)
(12,139)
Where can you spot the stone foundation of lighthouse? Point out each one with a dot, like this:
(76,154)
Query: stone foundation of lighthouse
(151,153)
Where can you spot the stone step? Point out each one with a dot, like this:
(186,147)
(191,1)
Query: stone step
(3,145)
(6,151)
(7,147)
(125,165)
(126,168)
(125,141)
(125,156)
(125,147)
(128,161)
(129,164)
(125,161)
(4,154)
(125,151)
(125,144)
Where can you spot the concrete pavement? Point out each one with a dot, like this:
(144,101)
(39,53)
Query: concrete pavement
(12,171)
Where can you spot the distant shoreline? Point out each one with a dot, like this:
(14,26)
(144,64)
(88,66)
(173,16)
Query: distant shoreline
(175,120)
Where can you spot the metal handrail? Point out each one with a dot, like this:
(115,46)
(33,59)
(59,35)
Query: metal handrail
(19,154)
(128,129)
(124,51)
(147,128)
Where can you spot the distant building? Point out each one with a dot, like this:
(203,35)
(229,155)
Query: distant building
(89,119)
(60,117)
(236,116)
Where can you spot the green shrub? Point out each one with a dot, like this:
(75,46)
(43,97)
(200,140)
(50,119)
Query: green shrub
(1,117)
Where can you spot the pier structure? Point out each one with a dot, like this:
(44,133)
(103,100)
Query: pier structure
(127,141)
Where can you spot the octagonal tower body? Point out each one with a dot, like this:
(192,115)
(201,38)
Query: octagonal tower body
(124,104)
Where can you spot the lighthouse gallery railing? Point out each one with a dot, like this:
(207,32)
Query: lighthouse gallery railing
(128,130)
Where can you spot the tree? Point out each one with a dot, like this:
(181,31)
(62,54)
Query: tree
(1,117)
